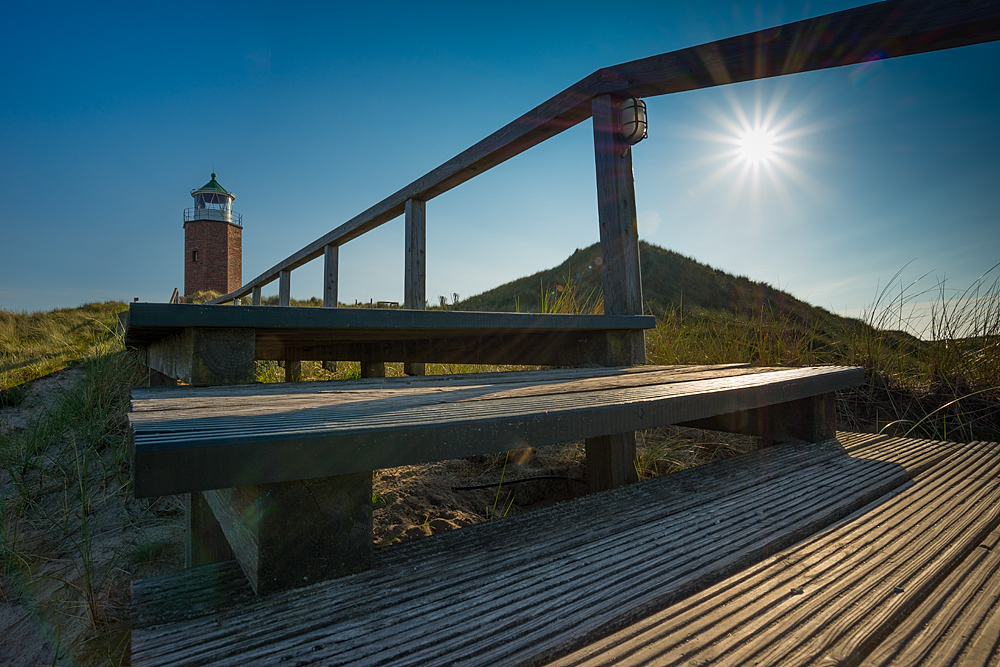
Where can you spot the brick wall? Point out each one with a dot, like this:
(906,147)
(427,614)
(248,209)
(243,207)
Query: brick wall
(212,256)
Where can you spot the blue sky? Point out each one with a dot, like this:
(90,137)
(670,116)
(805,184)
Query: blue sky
(312,113)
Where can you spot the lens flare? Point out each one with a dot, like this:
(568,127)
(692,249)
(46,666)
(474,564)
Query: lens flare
(756,145)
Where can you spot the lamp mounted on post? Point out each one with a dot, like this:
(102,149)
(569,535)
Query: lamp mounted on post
(632,117)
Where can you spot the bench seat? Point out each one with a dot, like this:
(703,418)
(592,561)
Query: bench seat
(532,587)
(195,439)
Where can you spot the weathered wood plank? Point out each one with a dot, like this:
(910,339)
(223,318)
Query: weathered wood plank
(477,594)
(148,322)
(836,595)
(958,624)
(882,29)
(357,436)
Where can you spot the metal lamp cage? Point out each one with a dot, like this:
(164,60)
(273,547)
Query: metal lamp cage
(632,113)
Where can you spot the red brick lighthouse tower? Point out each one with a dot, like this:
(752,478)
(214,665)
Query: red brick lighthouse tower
(213,241)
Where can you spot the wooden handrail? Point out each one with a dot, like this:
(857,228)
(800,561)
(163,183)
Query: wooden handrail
(881,30)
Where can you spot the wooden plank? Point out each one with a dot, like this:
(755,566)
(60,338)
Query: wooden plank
(415,279)
(958,624)
(879,30)
(177,452)
(475,596)
(836,595)
(255,300)
(148,322)
(191,594)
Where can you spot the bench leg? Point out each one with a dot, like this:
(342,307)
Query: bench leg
(291,534)
(810,419)
(293,371)
(373,369)
(415,368)
(204,542)
(610,461)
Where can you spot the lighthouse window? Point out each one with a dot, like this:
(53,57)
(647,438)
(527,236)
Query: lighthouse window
(212,201)
(194,256)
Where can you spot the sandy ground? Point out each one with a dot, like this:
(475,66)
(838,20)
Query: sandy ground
(23,631)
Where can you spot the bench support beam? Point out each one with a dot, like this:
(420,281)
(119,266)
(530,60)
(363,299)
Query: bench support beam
(205,357)
(810,419)
(291,534)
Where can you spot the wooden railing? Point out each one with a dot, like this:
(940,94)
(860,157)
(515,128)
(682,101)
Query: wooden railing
(881,30)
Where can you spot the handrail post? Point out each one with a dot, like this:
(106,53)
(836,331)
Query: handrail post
(293,369)
(611,458)
(256,295)
(331,272)
(415,276)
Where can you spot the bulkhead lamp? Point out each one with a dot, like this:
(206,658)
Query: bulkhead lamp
(632,112)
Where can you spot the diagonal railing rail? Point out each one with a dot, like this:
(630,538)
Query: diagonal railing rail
(882,30)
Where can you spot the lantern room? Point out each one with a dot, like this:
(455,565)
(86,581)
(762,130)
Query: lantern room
(213,202)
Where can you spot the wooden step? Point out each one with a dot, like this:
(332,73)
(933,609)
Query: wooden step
(834,597)
(524,589)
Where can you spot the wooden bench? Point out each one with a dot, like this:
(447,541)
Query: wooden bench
(280,475)
(786,555)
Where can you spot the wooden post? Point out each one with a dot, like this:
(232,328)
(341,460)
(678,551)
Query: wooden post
(415,288)
(331,272)
(611,458)
(205,542)
(293,369)
(256,295)
(292,534)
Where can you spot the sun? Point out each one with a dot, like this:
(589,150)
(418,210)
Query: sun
(756,145)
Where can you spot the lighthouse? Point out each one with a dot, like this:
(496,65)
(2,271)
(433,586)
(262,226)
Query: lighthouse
(213,241)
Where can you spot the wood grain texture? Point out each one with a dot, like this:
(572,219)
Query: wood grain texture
(879,30)
(284,288)
(298,334)
(415,273)
(957,624)
(188,443)
(255,299)
(518,591)
(205,356)
(331,275)
(834,598)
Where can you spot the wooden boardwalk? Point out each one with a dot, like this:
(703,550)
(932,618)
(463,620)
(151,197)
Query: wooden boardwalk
(880,553)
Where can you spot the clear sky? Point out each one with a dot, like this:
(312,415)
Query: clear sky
(111,114)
